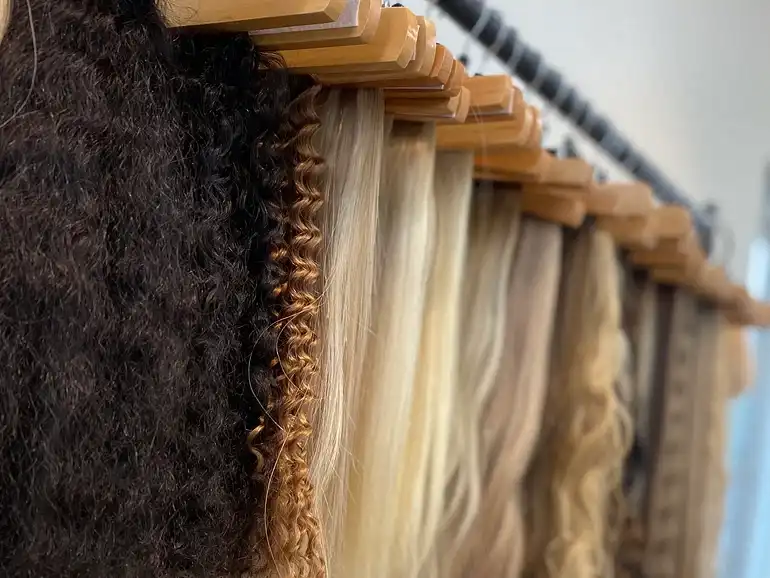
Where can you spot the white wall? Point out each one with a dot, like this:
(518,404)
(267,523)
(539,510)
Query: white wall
(687,81)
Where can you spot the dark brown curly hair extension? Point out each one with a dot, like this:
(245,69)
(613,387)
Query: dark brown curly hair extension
(141,182)
(295,538)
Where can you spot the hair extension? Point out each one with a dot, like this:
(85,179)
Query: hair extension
(384,542)
(716,473)
(351,139)
(694,506)
(135,277)
(437,369)
(5,16)
(668,478)
(492,237)
(580,460)
(296,541)
(512,414)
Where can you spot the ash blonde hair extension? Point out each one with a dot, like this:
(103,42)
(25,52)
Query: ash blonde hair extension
(668,483)
(351,139)
(512,414)
(493,233)
(380,536)
(577,477)
(438,370)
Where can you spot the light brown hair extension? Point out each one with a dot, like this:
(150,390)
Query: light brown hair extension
(351,141)
(294,538)
(512,415)
(668,482)
(702,408)
(576,478)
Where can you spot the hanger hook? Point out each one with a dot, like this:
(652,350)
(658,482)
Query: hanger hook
(502,36)
(474,34)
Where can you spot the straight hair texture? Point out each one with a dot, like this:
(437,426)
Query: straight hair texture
(512,414)
(351,140)
(492,236)
(135,233)
(437,378)
(385,544)
(296,541)
(577,474)
(668,480)
(5,16)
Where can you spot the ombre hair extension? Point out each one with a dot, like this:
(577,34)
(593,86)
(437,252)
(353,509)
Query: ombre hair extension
(351,140)
(133,235)
(385,542)
(511,417)
(295,535)
(668,482)
(577,475)
(438,370)
(492,237)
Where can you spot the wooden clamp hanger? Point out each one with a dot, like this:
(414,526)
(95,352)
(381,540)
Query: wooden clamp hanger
(493,98)
(561,195)
(454,109)
(419,66)
(518,163)
(356,25)
(625,211)
(674,241)
(392,48)
(248,15)
(486,135)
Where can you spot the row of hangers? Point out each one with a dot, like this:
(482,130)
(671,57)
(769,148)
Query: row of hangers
(360,43)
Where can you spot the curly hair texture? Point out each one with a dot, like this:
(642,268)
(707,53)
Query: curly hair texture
(295,540)
(577,476)
(135,172)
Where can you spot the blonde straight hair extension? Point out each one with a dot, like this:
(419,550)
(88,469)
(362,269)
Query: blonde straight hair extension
(493,233)
(351,139)
(577,477)
(438,368)
(511,417)
(379,536)
(668,483)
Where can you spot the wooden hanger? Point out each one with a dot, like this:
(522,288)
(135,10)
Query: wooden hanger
(419,67)
(620,200)
(356,25)
(555,208)
(436,79)
(513,166)
(248,15)
(493,98)
(664,257)
(454,83)
(453,109)
(392,48)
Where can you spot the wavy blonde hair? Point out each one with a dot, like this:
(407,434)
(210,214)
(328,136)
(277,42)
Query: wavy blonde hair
(379,535)
(493,233)
(351,140)
(511,417)
(576,479)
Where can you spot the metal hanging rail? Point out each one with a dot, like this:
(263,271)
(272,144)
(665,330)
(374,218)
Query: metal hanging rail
(504,42)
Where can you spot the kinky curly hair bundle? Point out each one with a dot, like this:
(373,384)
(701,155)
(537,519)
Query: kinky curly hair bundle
(141,182)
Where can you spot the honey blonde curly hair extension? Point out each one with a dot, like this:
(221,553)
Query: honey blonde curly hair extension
(576,477)
(294,537)
(512,415)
